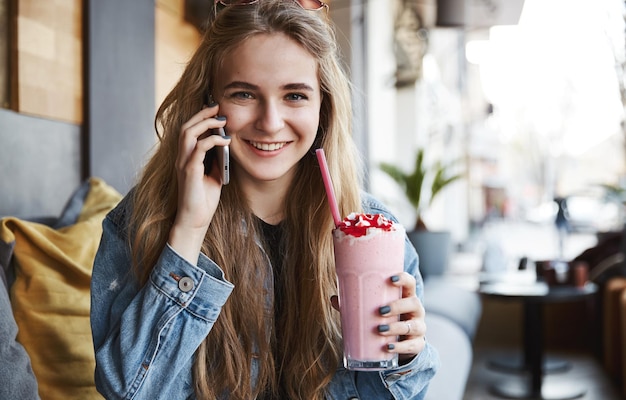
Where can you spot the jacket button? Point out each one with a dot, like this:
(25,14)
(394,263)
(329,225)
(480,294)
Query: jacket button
(185,284)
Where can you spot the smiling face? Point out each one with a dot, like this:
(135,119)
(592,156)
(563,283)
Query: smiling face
(269,91)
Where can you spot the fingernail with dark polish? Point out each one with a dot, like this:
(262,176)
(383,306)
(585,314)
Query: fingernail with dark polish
(384,310)
(220,118)
(391,346)
(395,278)
(383,328)
(228,137)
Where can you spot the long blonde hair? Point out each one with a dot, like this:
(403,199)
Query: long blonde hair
(300,351)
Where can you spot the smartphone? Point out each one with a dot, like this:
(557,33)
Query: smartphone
(222,154)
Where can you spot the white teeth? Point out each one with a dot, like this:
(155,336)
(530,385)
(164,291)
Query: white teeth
(268,146)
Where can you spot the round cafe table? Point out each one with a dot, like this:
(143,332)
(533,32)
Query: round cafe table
(533,297)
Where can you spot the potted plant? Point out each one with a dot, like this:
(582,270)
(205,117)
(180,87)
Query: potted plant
(421,186)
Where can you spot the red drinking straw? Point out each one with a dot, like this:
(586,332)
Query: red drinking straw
(328,184)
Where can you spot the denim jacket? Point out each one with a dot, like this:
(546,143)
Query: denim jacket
(145,336)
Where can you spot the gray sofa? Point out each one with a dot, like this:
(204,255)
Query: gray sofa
(452,317)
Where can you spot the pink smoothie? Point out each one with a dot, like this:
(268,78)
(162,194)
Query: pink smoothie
(369,249)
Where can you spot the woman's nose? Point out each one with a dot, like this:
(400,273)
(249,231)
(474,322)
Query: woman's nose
(270,118)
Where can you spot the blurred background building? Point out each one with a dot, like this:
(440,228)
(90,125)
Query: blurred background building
(528,93)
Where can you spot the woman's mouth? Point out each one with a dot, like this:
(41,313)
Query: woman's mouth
(268,146)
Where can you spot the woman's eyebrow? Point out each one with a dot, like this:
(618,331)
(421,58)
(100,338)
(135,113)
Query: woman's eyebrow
(249,86)
(241,85)
(298,86)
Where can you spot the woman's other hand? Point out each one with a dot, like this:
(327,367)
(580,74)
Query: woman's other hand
(411,328)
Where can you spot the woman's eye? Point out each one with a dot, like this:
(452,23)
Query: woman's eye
(296,97)
(241,95)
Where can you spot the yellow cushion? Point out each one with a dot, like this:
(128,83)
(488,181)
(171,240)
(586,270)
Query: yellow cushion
(50,295)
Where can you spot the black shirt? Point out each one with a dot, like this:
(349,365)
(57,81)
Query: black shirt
(273,245)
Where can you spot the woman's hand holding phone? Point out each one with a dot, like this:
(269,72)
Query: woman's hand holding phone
(198,193)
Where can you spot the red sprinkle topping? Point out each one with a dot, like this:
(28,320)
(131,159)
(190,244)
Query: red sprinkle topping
(357,224)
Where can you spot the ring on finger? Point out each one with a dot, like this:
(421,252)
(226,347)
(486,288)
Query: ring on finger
(408,327)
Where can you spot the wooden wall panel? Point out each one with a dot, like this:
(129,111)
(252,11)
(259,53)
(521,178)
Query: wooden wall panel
(49,59)
(176,40)
(4,54)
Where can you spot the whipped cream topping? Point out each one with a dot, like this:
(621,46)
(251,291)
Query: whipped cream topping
(358,224)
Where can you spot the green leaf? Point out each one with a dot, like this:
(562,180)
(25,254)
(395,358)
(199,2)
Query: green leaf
(440,180)
(414,182)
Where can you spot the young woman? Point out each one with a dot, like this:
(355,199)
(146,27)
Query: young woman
(203,290)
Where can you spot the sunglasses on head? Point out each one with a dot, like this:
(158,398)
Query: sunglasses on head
(313,5)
